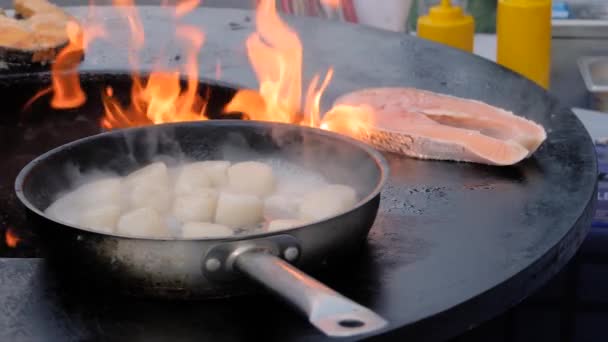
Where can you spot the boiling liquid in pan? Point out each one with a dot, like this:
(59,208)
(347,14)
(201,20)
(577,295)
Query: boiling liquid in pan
(293,184)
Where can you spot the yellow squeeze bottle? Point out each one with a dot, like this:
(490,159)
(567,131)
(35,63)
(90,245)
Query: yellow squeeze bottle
(448,25)
(523,30)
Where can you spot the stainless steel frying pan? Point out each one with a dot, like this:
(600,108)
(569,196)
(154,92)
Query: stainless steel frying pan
(215,267)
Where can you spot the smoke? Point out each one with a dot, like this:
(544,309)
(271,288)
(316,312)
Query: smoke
(294,152)
(338,159)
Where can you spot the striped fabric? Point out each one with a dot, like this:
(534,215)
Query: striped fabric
(316,8)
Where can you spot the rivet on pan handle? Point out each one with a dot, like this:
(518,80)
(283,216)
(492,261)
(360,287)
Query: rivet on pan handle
(332,313)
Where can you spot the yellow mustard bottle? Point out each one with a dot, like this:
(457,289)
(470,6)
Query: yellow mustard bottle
(449,25)
(523,31)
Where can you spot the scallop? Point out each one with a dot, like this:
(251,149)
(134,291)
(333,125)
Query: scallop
(102,218)
(68,207)
(252,178)
(155,173)
(217,171)
(65,209)
(144,222)
(196,207)
(201,230)
(327,201)
(281,206)
(105,191)
(150,195)
(192,178)
(238,210)
(173,224)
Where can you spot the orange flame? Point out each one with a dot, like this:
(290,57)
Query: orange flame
(160,98)
(332,3)
(349,120)
(66,82)
(184,7)
(275,53)
(12,240)
(313,99)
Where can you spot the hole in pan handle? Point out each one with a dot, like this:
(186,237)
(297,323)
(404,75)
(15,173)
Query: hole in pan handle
(332,313)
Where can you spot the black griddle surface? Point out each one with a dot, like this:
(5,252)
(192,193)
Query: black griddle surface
(454,244)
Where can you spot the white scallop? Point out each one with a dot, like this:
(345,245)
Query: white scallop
(155,173)
(103,191)
(251,177)
(281,206)
(196,207)
(191,178)
(144,222)
(327,201)
(150,195)
(65,209)
(173,224)
(217,171)
(200,230)
(277,225)
(102,218)
(237,210)
(68,207)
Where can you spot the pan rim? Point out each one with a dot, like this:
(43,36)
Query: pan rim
(374,154)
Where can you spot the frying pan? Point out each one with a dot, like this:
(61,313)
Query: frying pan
(193,268)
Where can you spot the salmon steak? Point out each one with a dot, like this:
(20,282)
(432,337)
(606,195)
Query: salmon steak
(428,125)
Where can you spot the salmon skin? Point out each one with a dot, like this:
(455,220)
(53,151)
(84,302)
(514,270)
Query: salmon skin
(428,125)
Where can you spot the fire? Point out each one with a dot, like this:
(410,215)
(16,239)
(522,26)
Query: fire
(65,80)
(349,120)
(275,52)
(185,6)
(332,3)
(160,98)
(313,99)
(11,239)
(165,95)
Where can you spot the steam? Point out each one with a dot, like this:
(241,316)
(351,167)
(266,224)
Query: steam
(294,152)
(75,177)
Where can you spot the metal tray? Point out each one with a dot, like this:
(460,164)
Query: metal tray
(595,73)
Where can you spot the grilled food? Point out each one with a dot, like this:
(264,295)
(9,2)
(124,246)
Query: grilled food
(37,35)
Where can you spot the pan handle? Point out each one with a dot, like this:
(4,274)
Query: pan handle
(330,312)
